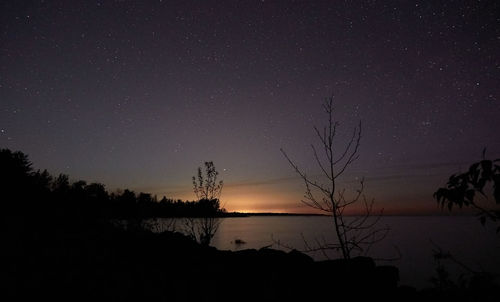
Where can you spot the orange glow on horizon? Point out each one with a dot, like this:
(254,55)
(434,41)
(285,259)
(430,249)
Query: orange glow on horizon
(267,199)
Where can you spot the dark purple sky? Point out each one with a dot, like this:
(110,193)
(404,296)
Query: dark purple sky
(138,94)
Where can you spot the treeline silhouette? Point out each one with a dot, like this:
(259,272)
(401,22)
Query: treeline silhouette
(29,192)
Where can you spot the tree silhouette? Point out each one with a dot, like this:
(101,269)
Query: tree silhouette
(462,189)
(206,186)
(15,174)
(356,233)
(208,191)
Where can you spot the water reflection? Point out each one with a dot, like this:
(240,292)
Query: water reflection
(464,237)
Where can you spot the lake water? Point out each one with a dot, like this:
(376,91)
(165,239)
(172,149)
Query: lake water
(411,239)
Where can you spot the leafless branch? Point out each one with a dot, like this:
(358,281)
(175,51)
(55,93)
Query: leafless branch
(358,233)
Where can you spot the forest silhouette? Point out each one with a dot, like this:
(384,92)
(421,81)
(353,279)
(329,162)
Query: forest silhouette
(27,191)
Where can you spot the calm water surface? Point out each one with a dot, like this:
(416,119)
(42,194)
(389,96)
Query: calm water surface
(411,237)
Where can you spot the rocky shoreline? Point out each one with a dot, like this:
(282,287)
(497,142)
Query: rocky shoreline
(118,265)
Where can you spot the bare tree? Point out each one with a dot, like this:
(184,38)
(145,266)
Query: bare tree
(208,191)
(355,233)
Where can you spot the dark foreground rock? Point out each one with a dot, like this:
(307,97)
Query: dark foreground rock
(116,265)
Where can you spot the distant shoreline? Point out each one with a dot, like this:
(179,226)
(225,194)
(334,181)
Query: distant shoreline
(239,214)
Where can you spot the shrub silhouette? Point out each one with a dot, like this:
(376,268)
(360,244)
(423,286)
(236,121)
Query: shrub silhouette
(463,189)
(208,191)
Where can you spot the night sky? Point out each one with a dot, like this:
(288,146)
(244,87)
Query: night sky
(138,94)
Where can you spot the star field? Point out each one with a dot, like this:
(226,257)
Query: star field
(138,94)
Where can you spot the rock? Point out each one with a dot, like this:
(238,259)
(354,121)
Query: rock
(387,276)
(300,257)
